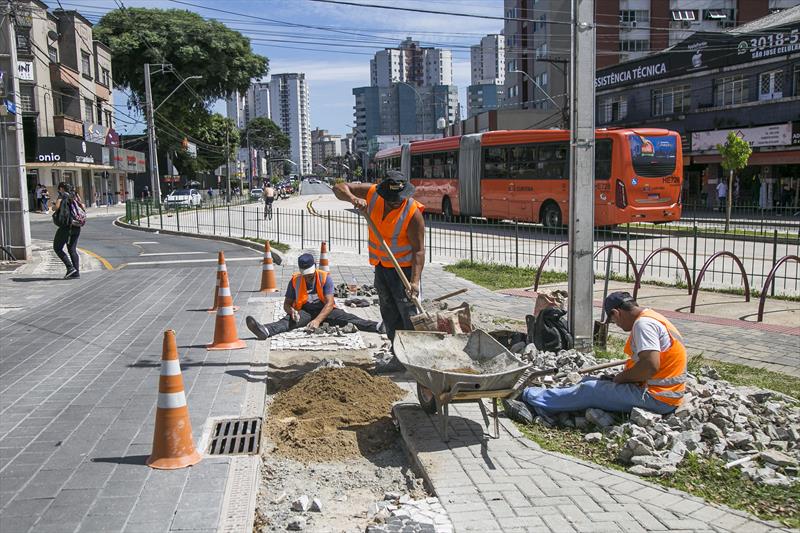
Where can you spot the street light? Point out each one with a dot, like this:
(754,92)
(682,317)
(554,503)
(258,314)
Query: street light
(175,89)
(537,86)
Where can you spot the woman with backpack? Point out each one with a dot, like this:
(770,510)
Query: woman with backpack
(69,215)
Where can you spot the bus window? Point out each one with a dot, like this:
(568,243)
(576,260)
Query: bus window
(553,161)
(494,163)
(438,165)
(451,165)
(522,162)
(427,166)
(416,166)
(602,159)
(653,157)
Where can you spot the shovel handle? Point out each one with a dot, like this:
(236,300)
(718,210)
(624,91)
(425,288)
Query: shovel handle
(397,266)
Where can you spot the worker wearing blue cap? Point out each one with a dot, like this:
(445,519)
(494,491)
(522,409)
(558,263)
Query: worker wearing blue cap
(308,303)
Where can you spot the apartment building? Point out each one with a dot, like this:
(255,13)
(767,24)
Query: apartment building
(289,106)
(413,64)
(323,147)
(488,74)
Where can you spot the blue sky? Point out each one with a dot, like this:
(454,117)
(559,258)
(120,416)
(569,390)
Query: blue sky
(334,61)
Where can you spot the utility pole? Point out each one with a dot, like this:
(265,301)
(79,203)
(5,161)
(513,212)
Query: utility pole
(155,182)
(15,231)
(581,179)
(228,161)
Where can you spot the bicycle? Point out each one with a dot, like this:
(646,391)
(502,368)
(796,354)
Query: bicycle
(268,211)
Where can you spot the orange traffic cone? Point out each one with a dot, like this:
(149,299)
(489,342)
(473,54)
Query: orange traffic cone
(225,335)
(173,446)
(324,264)
(221,266)
(268,281)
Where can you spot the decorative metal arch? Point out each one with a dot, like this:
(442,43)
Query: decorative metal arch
(703,273)
(650,257)
(544,260)
(621,249)
(770,279)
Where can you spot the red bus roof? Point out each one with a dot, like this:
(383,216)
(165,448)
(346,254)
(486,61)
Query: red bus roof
(434,145)
(388,152)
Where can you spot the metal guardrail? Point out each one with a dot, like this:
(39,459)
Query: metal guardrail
(758,246)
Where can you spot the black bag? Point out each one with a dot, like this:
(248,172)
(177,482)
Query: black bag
(63,216)
(550,330)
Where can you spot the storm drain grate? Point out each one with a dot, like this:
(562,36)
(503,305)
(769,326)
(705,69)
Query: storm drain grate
(235,436)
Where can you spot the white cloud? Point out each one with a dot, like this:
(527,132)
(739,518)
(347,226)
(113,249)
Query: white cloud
(355,72)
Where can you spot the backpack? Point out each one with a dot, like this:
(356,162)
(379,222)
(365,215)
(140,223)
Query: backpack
(550,330)
(63,216)
(77,214)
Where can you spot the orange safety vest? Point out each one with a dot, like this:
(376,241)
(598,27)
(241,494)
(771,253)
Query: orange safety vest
(393,229)
(301,291)
(669,382)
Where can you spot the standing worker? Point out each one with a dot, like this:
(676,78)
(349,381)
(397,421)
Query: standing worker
(398,218)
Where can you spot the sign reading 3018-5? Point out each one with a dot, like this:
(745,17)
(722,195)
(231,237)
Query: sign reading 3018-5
(778,43)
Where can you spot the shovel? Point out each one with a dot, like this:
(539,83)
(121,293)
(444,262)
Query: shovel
(422,321)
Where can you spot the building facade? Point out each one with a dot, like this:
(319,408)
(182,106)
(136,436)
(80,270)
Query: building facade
(289,105)
(66,102)
(323,147)
(411,63)
(488,74)
(745,80)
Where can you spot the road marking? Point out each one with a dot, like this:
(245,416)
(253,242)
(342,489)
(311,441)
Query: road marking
(99,258)
(187,261)
(144,242)
(174,253)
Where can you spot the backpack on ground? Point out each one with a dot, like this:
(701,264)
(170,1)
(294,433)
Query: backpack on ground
(550,330)
(62,217)
(77,214)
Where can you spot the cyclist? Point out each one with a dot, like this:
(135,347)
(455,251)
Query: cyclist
(269,198)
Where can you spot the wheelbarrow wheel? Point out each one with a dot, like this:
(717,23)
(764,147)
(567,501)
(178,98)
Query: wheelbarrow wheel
(426,399)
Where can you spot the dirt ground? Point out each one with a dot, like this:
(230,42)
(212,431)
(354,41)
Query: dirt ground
(333,413)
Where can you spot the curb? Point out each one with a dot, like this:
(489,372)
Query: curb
(276,258)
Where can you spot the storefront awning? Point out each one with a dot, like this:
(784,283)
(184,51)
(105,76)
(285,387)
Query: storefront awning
(69,166)
(757,158)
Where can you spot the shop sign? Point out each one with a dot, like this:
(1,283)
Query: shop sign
(25,70)
(772,135)
(68,150)
(95,133)
(796,132)
(112,138)
(128,160)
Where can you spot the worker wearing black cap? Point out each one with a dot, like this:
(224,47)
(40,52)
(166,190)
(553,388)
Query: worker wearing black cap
(398,218)
(654,377)
(308,303)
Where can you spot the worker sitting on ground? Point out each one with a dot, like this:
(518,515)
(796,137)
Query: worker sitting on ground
(654,376)
(308,303)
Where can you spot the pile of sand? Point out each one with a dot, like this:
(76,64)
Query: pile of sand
(333,413)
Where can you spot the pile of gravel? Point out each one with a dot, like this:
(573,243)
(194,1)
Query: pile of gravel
(400,512)
(343,291)
(757,430)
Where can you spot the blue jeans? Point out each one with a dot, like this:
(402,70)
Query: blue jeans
(593,392)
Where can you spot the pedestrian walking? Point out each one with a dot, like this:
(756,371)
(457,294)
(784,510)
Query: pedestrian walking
(722,194)
(398,218)
(37,192)
(45,200)
(69,215)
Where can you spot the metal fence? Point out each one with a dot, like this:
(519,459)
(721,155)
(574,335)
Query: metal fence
(660,248)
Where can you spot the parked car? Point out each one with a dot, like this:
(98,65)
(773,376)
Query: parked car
(256,194)
(184,198)
(313,180)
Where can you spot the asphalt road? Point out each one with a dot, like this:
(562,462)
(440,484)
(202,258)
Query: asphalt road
(307,188)
(120,247)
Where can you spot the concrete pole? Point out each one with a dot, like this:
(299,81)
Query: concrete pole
(228,162)
(581,179)
(15,231)
(155,182)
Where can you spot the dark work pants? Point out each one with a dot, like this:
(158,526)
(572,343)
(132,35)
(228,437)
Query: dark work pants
(309,312)
(396,307)
(68,236)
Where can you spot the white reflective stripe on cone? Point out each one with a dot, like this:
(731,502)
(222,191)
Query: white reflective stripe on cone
(171,400)
(225,311)
(222,268)
(224,291)
(267,266)
(323,256)
(170,367)
(268,255)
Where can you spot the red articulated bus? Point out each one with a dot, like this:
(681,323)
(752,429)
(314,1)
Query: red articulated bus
(524,175)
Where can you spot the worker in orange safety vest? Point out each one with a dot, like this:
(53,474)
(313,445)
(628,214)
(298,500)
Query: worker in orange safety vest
(654,377)
(398,218)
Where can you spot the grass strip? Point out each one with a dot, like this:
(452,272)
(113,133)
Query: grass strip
(281,247)
(495,276)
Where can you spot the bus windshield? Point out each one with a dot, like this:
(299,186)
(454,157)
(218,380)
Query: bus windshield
(653,156)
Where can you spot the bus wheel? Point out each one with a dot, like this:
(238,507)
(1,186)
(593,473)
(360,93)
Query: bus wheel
(447,209)
(551,215)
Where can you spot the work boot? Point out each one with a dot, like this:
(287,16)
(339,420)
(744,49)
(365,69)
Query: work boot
(257,328)
(518,411)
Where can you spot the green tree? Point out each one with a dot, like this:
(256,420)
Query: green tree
(193,46)
(735,154)
(263,134)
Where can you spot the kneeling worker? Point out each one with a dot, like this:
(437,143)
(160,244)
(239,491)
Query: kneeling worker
(308,303)
(654,377)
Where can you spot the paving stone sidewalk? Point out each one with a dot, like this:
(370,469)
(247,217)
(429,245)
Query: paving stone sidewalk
(510,485)
(79,372)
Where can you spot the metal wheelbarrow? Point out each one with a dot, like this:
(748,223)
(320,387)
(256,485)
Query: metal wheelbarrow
(462,367)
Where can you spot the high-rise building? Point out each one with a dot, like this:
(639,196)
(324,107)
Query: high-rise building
(487,61)
(537,39)
(324,146)
(289,105)
(242,108)
(411,63)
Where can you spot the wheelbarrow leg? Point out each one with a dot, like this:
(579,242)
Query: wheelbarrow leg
(445,420)
(496,420)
